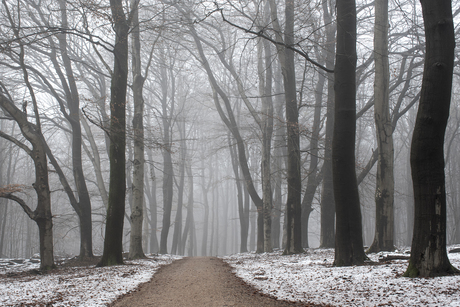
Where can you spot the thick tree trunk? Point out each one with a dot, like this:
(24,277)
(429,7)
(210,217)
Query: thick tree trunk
(137,209)
(349,243)
(113,241)
(428,253)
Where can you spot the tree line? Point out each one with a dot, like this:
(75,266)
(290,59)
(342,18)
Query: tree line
(270,96)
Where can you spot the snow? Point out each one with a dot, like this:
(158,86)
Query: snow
(310,277)
(74,286)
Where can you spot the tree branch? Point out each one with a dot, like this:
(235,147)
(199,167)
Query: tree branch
(262,35)
(22,203)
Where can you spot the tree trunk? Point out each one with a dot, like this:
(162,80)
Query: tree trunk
(278,153)
(349,243)
(168,172)
(189,222)
(384,190)
(243,215)
(428,252)
(177,235)
(137,209)
(190,203)
(294,180)
(113,241)
(265,81)
(151,192)
(313,178)
(327,235)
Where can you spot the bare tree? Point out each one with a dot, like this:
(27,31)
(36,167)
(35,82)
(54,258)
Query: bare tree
(42,213)
(428,252)
(113,241)
(384,191)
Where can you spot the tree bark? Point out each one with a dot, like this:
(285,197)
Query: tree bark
(177,235)
(242,213)
(205,190)
(313,175)
(265,81)
(327,235)
(294,180)
(113,241)
(137,210)
(428,252)
(349,243)
(168,172)
(152,197)
(384,191)
(278,157)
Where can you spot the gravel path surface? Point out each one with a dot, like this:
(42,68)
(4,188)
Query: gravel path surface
(198,281)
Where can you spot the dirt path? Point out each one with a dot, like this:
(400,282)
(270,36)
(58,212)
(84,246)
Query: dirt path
(199,281)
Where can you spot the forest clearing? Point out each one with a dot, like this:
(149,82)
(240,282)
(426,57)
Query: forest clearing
(302,278)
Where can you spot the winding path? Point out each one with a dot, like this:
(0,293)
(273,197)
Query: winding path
(198,281)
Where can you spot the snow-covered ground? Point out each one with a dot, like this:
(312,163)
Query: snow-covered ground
(310,277)
(73,286)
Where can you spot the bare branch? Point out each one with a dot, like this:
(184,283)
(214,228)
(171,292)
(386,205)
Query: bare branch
(262,35)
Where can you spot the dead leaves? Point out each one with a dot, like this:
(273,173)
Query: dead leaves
(11,188)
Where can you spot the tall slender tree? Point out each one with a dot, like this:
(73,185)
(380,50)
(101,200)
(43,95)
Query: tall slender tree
(137,211)
(384,190)
(113,241)
(327,237)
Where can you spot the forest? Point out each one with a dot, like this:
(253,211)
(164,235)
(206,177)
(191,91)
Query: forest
(210,128)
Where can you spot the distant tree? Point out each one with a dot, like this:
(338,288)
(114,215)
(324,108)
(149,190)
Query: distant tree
(428,252)
(349,243)
(168,170)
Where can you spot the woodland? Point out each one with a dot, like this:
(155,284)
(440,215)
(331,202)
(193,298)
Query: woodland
(204,128)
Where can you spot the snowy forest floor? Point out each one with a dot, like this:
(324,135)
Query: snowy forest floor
(308,278)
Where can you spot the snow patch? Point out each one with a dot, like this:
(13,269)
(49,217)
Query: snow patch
(311,278)
(76,286)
